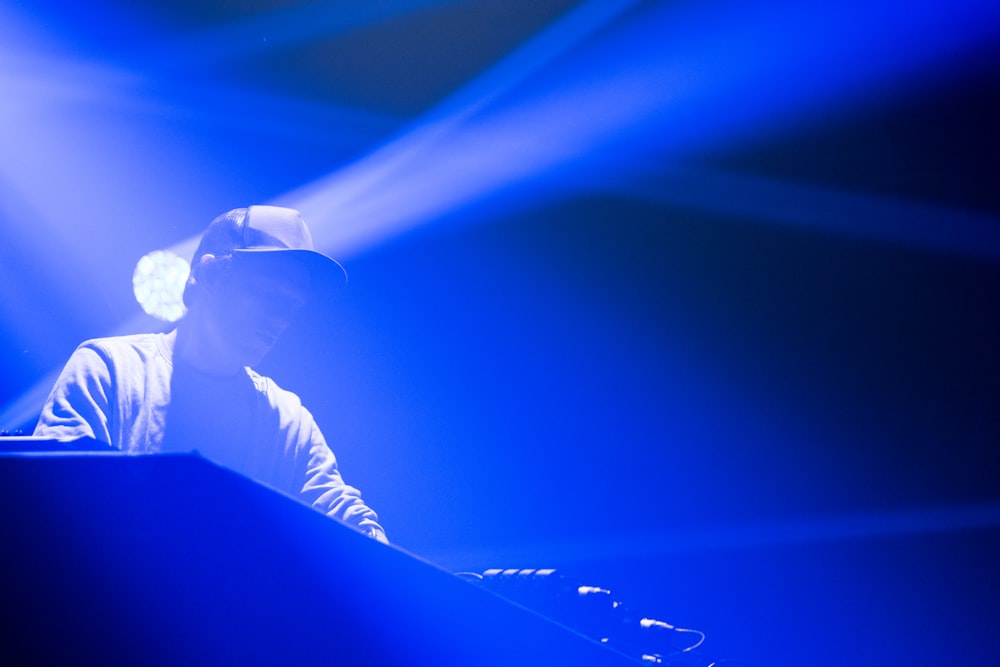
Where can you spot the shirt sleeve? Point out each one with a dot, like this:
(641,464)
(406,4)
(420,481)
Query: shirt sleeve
(79,405)
(324,489)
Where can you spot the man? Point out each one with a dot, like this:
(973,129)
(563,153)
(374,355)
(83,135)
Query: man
(193,388)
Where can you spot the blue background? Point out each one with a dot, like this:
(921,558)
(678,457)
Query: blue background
(693,301)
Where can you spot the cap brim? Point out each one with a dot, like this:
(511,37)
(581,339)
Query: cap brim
(326,274)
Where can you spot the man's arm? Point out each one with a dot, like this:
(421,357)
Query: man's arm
(79,405)
(325,490)
(303,466)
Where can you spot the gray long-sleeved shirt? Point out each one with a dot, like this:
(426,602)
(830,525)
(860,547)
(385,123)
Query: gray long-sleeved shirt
(127,392)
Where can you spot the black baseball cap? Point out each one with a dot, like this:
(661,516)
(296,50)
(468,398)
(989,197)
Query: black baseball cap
(269,234)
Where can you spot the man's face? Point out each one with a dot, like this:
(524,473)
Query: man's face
(254,303)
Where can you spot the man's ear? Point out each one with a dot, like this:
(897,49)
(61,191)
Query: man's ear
(206,270)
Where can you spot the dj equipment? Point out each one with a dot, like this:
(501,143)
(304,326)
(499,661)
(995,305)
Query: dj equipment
(169,559)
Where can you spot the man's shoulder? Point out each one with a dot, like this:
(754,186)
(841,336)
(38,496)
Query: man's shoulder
(276,395)
(144,345)
(129,340)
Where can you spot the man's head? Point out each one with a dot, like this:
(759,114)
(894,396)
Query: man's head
(253,270)
(268,234)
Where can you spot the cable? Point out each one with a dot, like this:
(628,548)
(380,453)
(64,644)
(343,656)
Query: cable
(653,623)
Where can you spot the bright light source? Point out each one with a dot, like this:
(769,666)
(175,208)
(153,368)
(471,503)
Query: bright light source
(158,283)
